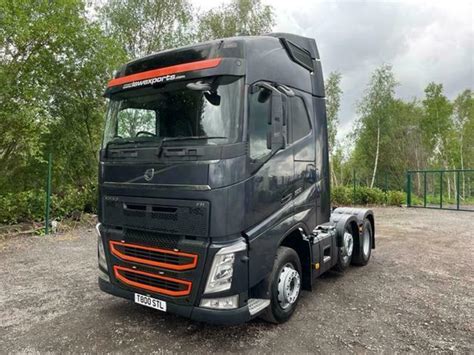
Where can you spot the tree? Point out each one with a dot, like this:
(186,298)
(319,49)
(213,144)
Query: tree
(333,103)
(142,27)
(398,158)
(240,17)
(341,164)
(463,119)
(55,61)
(53,69)
(436,123)
(375,111)
(463,113)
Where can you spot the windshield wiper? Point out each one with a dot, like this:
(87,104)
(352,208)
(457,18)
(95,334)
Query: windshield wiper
(194,138)
(120,141)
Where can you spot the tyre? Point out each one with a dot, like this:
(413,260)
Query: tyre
(363,246)
(285,286)
(344,253)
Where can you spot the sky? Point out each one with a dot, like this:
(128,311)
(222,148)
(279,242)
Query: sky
(424,41)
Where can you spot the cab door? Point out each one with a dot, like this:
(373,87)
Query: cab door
(302,139)
(270,187)
(272,171)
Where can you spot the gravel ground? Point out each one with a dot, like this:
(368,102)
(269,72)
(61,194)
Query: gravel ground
(415,295)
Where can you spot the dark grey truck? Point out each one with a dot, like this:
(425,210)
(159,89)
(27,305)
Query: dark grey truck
(214,181)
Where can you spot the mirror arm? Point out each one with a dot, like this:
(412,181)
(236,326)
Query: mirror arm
(279,89)
(286,90)
(267,86)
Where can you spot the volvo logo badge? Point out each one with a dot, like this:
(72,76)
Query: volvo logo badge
(149,174)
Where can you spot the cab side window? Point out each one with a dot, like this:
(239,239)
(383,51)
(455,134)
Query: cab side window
(300,121)
(258,118)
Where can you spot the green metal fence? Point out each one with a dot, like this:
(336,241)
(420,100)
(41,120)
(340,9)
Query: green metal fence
(48,195)
(441,189)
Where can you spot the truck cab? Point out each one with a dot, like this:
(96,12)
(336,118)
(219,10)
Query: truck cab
(214,199)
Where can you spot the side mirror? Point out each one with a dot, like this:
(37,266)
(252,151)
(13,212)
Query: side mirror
(213,98)
(199,86)
(276,134)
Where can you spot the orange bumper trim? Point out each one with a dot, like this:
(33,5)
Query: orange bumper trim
(156,289)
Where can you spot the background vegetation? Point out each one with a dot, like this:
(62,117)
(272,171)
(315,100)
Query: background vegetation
(56,58)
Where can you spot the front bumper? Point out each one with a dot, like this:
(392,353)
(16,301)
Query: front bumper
(225,317)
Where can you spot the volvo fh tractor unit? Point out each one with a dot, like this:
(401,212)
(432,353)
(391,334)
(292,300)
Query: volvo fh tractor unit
(214,199)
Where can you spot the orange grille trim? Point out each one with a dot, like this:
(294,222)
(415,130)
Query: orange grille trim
(135,259)
(155,289)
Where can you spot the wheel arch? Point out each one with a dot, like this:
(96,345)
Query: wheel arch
(370,218)
(341,221)
(294,239)
(361,214)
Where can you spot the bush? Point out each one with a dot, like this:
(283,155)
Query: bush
(74,199)
(369,196)
(341,195)
(396,198)
(344,196)
(22,206)
(30,205)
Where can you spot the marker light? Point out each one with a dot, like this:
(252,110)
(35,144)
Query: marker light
(100,249)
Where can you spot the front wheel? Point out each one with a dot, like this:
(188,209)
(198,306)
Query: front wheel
(285,286)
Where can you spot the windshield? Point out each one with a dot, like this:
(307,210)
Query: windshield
(198,110)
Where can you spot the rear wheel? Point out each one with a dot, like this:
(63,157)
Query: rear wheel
(363,245)
(285,286)
(344,253)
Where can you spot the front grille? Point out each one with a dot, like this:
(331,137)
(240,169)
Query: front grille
(132,213)
(151,282)
(165,258)
(167,241)
(162,216)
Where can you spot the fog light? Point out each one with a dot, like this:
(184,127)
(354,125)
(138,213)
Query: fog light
(230,302)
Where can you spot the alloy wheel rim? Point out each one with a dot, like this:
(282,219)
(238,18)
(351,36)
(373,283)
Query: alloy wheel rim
(366,242)
(348,246)
(289,284)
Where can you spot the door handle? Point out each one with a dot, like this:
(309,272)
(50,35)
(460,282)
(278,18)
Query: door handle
(287,198)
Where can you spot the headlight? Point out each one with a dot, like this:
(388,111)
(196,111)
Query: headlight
(100,249)
(220,303)
(220,276)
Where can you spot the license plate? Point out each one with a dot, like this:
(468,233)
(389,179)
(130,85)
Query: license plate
(150,302)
